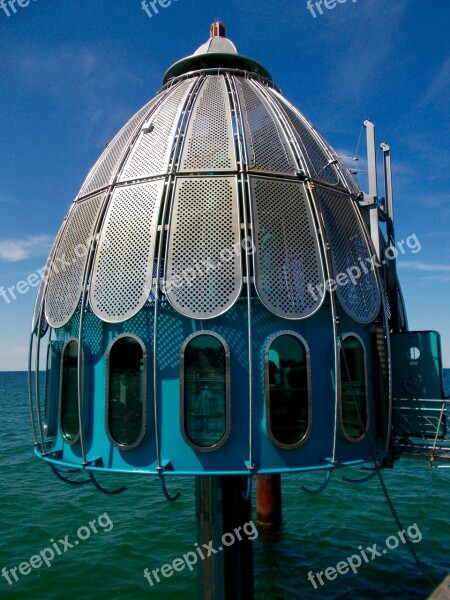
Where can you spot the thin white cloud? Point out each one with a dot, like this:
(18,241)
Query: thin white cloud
(356,65)
(87,72)
(422,266)
(14,250)
(439,88)
(7,199)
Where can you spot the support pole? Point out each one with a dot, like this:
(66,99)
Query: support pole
(373,187)
(268,501)
(221,508)
(392,271)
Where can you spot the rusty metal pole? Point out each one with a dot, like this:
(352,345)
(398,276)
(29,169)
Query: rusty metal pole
(268,501)
(226,574)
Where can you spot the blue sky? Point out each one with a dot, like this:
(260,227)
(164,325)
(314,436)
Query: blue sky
(72,73)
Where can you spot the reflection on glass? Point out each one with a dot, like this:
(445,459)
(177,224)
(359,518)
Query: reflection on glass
(69,393)
(126,391)
(288,389)
(205,390)
(353,389)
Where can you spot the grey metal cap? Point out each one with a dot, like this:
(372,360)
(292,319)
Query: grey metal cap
(217,52)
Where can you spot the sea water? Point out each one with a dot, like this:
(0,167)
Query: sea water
(318,532)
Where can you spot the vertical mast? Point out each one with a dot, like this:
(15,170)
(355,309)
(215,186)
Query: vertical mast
(373,188)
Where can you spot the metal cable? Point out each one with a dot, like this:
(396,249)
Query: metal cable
(422,566)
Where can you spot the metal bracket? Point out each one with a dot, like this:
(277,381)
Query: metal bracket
(373,201)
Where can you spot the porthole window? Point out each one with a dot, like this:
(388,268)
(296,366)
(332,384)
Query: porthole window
(70,424)
(353,387)
(288,393)
(125,410)
(205,391)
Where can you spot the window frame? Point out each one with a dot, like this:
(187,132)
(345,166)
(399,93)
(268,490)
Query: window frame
(226,435)
(61,385)
(342,338)
(143,431)
(267,348)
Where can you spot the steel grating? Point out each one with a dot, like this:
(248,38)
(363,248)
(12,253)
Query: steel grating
(210,138)
(105,168)
(267,149)
(66,279)
(203,275)
(123,268)
(357,287)
(289,273)
(153,148)
(313,152)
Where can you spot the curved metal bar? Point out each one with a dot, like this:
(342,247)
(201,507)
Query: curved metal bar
(235,104)
(36,383)
(164,489)
(62,478)
(102,489)
(322,487)
(363,479)
(328,264)
(30,389)
(248,492)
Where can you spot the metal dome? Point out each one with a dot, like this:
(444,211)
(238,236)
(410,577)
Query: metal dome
(217,208)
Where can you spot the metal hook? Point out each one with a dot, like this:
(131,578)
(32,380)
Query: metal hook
(322,487)
(102,489)
(164,489)
(363,479)
(62,478)
(248,493)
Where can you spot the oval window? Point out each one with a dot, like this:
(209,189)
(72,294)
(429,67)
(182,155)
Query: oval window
(125,403)
(205,390)
(70,423)
(353,387)
(287,390)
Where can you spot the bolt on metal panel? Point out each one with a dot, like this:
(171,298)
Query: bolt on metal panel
(151,153)
(210,140)
(287,258)
(123,267)
(313,152)
(203,276)
(68,266)
(104,171)
(357,289)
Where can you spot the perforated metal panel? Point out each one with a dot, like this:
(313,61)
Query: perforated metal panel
(267,149)
(204,276)
(313,152)
(358,294)
(209,141)
(38,305)
(123,267)
(105,169)
(65,282)
(288,266)
(152,150)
